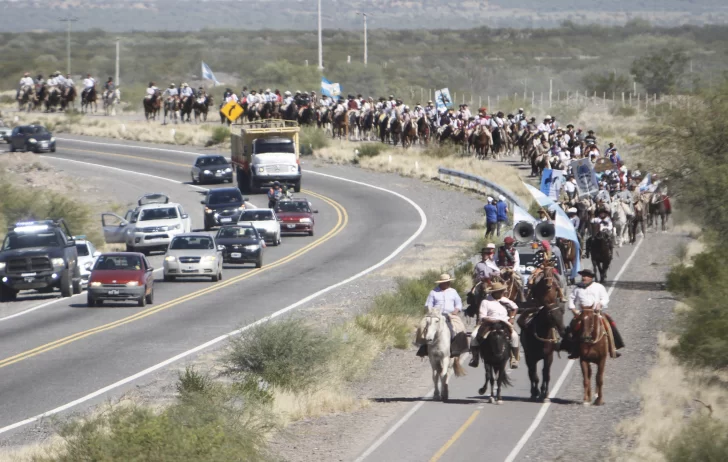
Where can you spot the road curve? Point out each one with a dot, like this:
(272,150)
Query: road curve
(62,350)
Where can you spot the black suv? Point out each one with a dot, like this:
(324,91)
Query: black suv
(39,255)
(223,206)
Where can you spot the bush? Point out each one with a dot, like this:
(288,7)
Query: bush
(313,139)
(219,135)
(440,150)
(371,149)
(192,382)
(287,354)
(623,111)
(704,439)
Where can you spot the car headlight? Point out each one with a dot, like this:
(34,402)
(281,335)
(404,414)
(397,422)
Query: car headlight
(228,170)
(32,140)
(209,258)
(261,169)
(132,283)
(241,208)
(170,228)
(53,139)
(207,172)
(2,266)
(208,210)
(95,284)
(170,258)
(293,169)
(305,220)
(251,247)
(58,262)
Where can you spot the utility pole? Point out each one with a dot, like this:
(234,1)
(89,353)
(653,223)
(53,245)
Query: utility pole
(68,20)
(320,41)
(366,52)
(116,80)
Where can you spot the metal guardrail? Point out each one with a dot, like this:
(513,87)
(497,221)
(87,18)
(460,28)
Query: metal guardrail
(466,180)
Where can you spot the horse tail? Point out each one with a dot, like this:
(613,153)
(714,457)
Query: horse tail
(504,379)
(458,368)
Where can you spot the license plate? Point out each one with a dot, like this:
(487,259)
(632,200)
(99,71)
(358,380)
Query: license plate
(190,268)
(28,274)
(29,279)
(44,144)
(225,220)
(291,226)
(218,174)
(113,292)
(236,255)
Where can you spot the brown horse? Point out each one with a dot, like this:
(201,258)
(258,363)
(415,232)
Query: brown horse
(152,105)
(340,125)
(594,348)
(423,130)
(601,253)
(409,134)
(482,141)
(68,98)
(568,251)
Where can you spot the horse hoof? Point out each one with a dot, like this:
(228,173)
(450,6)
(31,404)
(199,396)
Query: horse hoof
(586,404)
(599,402)
(481,391)
(546,400)
(499,402)
(436,398)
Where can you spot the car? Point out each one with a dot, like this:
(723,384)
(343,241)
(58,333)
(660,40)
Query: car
(223,206)
(193,255)
(210,168)
(265,221)
(87,255)
(39,255)
(5,132)
(31,138)
(527,256)
(121,276)
(150,226)
(241,243)
(296,216)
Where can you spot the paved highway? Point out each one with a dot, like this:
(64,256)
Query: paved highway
(55,351)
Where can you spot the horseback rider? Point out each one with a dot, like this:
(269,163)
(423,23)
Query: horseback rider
(446,299)
(151,92)
(588,294)
(493,309)
(542,259)
(108,88)
(602,223)
(275,194)
(486,269)
(268,97)
(508,259)
(68,82)
(287,100)
(252,99)
(186,92)
(590,138)
(25,84)
(88,85)
(171,93)
(521,115)
(603,194)
(430,110)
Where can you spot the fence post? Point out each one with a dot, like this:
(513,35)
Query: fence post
(480,102)
(622,99)
(533,98)
(551,91)
(630,100)
(454,97)
(497,101)
(604,98)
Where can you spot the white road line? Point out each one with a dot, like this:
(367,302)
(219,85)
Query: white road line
(539,416)
(130,146)
(545,406)
(149,370)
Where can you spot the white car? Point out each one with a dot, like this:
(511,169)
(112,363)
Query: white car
(150,226)
(265,221)
(193,255)
(87,255)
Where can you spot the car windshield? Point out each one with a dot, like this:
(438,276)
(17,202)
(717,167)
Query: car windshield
(166,213)
(39,130)
(293,206)
(82,250)
(118,262)
(256,215)
(191,242)
(225,197)
(286,147)
(24,241)
(233,232)
(217,160)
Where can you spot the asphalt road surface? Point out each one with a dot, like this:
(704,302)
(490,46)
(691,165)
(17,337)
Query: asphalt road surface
(468,427)
(55,351)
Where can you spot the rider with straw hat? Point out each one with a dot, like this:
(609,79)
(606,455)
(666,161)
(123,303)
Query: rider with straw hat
(495,308)
(445,299)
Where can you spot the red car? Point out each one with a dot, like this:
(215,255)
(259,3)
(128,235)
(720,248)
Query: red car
(121,276)
(296,216)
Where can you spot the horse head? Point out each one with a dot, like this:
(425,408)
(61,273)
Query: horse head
(431,325)
(590,325)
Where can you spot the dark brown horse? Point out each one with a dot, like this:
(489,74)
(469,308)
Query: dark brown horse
(88,99)
(186,105)
(601,253)
(539,339)
(495,351)
(593,349)
(409,134)
(657,207)
(423,130)
(340,125)
(152,105)
(202,108)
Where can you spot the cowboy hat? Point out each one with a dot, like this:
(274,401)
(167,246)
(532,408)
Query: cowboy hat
(572,210)
(267,90)
(185,84)
(496,287)
(444,277)
(509,240)
(587,272)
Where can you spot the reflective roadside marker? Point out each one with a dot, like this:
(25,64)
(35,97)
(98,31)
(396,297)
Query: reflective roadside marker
(172,132)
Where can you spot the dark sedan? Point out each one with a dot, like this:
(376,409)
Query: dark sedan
(31,138)
(223,206)
(242,244)
(211,168)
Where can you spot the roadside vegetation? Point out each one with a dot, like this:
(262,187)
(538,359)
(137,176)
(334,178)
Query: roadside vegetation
(685,408)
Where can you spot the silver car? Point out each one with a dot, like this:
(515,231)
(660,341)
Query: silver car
(193,255)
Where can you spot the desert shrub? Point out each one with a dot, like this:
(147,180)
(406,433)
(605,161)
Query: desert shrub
(219,135)
(704,438)
(440,150)
(312,139)
(371,149)
(623,111)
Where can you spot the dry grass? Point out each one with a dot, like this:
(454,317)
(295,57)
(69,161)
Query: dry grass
(47,449)
(331,398)
(670,395)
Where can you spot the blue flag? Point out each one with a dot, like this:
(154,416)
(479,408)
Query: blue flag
(207,73)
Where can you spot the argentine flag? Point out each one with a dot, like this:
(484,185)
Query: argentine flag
(207,73)
(330,89)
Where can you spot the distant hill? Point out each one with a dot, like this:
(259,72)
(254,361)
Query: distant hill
(128,15)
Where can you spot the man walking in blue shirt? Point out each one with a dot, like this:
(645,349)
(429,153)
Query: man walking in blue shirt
(502,209)
(491,218)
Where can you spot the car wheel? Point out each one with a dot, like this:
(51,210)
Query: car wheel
(143,300)
(310,233)
(193,178)
(12,147)
(215,277)
(297,186)
(207,227)
(90,302)
(7,294)
(259,263)
(66,284)
(53,149)
(77,287)
(168,278)
(278,241)
(150,297)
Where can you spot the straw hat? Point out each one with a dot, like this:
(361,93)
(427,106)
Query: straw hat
(496,287)
(444,277)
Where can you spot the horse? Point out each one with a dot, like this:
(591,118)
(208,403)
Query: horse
(110,100)
(171,106)
(436,334)
(640,211)
(482,142)
(340,126)
(423,130)
(620,221)
(25,97)
(409,134)
(88,99)
(366,125)
(601,253)
(383,125)
(201,107)
(539,339)
(395,130)
(267,110)
(593,349)
(353,116)
(657,207)
(152,104)
(53,100)
(495,352)
(568,252)
(305,116)
(68,97)
(186,105)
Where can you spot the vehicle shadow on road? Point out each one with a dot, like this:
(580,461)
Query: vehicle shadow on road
(105,306)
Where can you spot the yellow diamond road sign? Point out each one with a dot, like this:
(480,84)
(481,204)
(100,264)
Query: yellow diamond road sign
(232,111)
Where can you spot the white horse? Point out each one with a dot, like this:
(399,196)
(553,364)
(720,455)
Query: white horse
(111,99)
(620,221)
(437,336)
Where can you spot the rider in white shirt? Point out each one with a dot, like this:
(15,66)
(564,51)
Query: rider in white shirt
(171,92)
(151,90)
(89,82)
(186,91)
(253,98)
(495,308)
(288,98)
(27,80)
(268,97)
